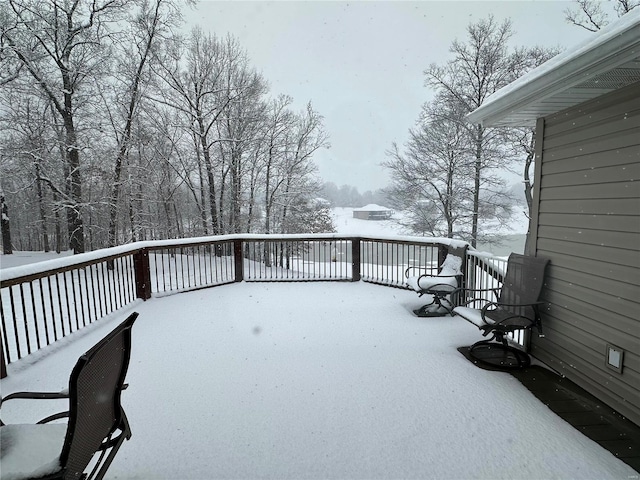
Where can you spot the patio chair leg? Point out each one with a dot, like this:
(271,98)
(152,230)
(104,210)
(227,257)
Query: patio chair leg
(437,302)
(499,354)
(111,446)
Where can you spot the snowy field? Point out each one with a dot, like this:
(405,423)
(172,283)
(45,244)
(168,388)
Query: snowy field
(316,381)
(513,236)
(18,258)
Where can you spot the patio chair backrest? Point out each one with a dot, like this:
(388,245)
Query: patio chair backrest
(451,266)
(523,281)
(94,398)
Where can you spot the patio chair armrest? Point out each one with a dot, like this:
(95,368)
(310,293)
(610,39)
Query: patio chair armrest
(418,269)
(489,305)
(463,291)
(533,322)
(35,396)
(55,416)
(535,305)
(495,291)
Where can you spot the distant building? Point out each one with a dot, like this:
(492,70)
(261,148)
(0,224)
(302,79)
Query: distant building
(372,212)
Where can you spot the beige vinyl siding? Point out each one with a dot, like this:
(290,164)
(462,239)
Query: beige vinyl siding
(588,225)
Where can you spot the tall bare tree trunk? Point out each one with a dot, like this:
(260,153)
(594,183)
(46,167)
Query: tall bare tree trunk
(126,134)
(7,249)
(528,187)
(476,186)
(43,219)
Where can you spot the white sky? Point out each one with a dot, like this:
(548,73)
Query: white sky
(361,64)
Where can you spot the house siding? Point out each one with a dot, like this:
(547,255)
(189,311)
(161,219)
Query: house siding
(588,225)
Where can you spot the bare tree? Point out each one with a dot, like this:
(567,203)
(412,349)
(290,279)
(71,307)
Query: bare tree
(237,128)
(480,66)
(60,43)
(199,90)
(280,122)
(7,248)
(149,25)
(431,178)
(10,65)
(183,120)
(293,172)
(592,15)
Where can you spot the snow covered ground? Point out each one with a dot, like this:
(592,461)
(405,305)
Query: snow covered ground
(314,380)
(18,258)
(347,225)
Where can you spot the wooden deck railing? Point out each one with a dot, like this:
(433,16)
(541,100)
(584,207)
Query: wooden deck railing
(42,303)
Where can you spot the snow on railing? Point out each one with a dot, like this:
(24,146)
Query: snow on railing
(42,303)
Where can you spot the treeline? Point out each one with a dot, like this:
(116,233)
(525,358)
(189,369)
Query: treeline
(116,128)
(349,196)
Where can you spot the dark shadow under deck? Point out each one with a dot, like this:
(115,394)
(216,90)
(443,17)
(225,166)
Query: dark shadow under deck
(580,409)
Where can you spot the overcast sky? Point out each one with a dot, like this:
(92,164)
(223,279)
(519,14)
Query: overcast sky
(361,63)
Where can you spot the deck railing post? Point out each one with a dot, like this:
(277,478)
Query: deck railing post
(238,260)
(355,260)
(143,274)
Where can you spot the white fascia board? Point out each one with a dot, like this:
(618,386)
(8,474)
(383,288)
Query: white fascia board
(613,46)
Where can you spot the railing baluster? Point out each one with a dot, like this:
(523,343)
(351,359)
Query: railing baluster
(66,298)
(5,358)
(111,277)
(24,316)
(44,312)
(93,269)
(86,298)
(131,276)
(58,292)
(35,314)
(53,312)
(175,264)
(197,255)
(229,269)
(75,300)
(15,322)
(117,278)
(155,264)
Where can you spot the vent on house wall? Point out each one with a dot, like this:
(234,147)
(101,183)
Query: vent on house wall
(614,358)
(616,78)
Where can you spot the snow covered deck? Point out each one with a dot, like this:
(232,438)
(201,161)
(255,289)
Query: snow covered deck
(320,380)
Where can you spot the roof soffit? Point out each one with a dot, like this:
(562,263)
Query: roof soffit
(562,83)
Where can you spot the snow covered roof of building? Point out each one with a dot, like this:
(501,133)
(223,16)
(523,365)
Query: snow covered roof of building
(372,207)
(608,60)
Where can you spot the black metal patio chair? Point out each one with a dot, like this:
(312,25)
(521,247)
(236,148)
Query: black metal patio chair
(96,420)
(516,308)
(443,287)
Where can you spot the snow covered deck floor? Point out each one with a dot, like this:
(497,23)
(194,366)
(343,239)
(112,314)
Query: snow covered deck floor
(315,380)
